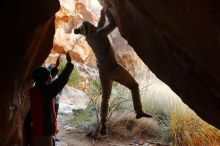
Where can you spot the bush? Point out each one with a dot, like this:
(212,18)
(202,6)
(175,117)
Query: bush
(84,118)
(119,101)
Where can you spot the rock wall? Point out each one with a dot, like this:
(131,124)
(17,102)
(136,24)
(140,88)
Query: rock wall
(179,41)
(27,31)
(70,16)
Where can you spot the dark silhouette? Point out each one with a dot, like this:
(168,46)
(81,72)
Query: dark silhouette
(109,69)
(54,71)
(42,106)
(27,129)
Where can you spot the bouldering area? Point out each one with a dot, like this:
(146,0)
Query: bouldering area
(171,48)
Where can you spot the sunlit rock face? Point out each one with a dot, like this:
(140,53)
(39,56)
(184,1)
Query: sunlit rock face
(179,41)
(74,98)
(71,15)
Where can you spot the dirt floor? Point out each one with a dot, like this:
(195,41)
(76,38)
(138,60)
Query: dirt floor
(70,136)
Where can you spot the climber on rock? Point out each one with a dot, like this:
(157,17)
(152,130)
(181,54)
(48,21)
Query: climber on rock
(109,69)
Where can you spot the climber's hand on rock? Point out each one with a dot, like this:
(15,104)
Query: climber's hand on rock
(68,58)
(58,61)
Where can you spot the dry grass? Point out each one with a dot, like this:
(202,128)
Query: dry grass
(178,123)
(187,129)
(129,127)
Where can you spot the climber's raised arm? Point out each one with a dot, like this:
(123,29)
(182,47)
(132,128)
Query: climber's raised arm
(58,61)
(101,22)
(110,27)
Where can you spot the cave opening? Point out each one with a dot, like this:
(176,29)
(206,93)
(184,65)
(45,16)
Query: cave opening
(151,37)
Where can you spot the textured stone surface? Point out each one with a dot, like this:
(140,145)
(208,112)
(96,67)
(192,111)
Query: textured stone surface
(179,41)
(26,40)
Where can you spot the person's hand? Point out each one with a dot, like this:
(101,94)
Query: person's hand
(68,58)
(105,5)
(102,10)
(100,30)
(58,61)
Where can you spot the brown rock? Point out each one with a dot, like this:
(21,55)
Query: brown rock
(179,42)
(58,49)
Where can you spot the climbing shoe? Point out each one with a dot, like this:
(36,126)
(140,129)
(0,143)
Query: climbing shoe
(103,130)
(142,114)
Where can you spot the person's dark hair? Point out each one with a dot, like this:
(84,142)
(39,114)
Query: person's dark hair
(77,31)
(86,26)
(40,74)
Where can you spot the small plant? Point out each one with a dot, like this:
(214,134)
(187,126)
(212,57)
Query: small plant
(119,102)
(84,118)
(95,88)
(74,78)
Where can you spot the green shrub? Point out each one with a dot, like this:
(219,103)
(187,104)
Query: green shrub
(95,88)
(84,118)
(74,78)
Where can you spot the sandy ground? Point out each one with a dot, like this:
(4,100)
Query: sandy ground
(70,136)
